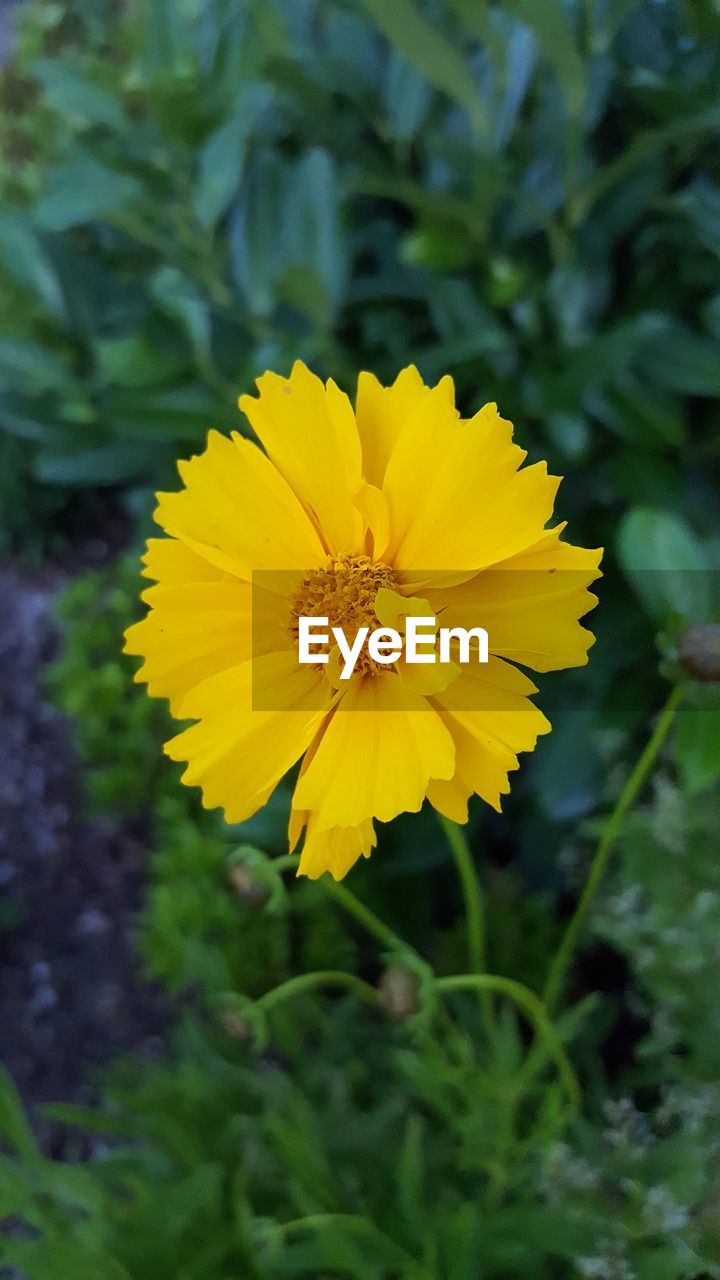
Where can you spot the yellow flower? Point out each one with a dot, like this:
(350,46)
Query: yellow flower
(398,508)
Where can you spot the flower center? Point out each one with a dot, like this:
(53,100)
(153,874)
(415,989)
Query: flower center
(343,591)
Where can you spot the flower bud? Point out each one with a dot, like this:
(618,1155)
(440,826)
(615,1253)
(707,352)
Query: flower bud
(398,993)
(248,886)
(235,1025)
(699,652)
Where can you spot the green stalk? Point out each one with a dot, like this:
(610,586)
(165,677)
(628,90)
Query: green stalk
(472,893)
(474,911)
(561,961)
(534,1010)
(364,916)
(322,978)
(354,907)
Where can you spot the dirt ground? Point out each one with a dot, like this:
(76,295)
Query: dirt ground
(71,995)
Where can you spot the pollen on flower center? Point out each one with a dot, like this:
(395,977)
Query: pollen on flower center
(343,591)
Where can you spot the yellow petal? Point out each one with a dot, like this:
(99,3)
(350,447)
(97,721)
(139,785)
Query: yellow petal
(238,512)
(373,507)
(169,561)
(381,747)
(458,500)
(530,605)
(383,412)
(192,631)
(450,798)
(236,753)
(491,718)
(335,850)
(197,629)
(308,430)
(392,609)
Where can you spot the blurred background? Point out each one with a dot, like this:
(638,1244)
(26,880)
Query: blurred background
(525,196)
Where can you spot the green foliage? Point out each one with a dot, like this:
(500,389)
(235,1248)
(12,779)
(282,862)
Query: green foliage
(663,913)
(354,1144)
(361,1154)
(523,195)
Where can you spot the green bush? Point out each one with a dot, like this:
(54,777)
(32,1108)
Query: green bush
(524,196)
(327,1139)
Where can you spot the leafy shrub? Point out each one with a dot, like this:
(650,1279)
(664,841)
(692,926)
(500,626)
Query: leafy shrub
(355,1143)
(522,195)
(359,1148)
(361,1154)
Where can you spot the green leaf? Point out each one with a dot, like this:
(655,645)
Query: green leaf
(697,746)
(639,413)
(179,298)
(18,418)
(221,159)
(31,368)
(430,52)
(26,261)
(549,24)
(684,361)
(103,464)
(313,233)
(81,190)
(165,51)
(14,1127)
(605,356)
(180,414)
(73,96)
(642,147)
(407,97)
(665,563)
(134,361)
(256,246)
(86,1118)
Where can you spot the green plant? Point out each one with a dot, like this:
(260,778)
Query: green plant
(301,1129)
(376,1148)
(193,192)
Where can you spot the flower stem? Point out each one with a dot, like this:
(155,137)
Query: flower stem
(561,961)
(322,978)
(354,907)
(534,1010)
(474,911)
(472,893)
(285,861)
(370,921)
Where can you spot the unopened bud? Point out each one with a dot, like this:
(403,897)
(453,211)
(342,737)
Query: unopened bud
(699,652)
(235,1025)
(248,886)
(398,993)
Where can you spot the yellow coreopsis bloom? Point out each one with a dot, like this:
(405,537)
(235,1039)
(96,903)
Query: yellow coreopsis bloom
(398,507)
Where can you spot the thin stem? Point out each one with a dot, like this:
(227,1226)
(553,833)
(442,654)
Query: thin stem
(558,968)
(472,893)
(285,861)
(322,978)
(534,1010)
(365,916)
(474,911)
(347,899)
